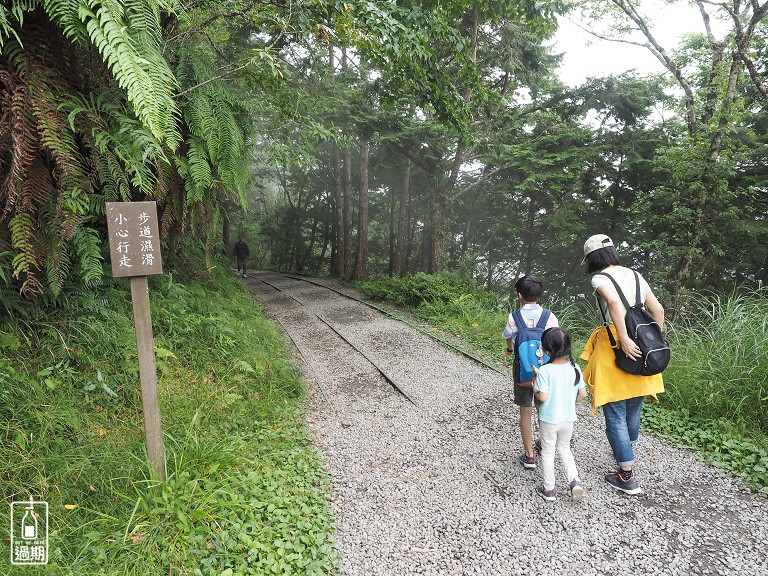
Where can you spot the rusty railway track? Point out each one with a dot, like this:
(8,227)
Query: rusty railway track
(498,487)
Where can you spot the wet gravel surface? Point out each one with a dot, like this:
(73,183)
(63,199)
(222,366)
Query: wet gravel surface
(432,486)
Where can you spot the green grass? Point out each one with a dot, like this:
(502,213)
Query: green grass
(721,358)
(245,493)
(716,395)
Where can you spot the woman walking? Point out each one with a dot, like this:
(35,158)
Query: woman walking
(619,393)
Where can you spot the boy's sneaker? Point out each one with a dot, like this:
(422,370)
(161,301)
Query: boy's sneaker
(577,491)
(548,495)
(624,481)
(528,462)
(537,446)
(245,275)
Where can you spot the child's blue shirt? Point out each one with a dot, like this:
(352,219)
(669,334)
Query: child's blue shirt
(557,381)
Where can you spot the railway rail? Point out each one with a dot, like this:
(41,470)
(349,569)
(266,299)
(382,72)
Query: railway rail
(394,381)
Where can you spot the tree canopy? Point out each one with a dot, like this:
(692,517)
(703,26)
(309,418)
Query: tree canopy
(364,138)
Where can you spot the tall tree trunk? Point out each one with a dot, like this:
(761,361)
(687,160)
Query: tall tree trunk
(326,240)
(402,220)
(361,258)
(337,238)
(427,237)
(710,184)
(225,231)
(311,245)
(346,211)
(408,264)
(392,265)
(437,254)
(526,249)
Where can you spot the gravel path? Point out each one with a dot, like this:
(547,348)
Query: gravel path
(433,487)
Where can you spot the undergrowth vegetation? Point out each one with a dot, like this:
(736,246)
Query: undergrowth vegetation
(716,384)
(245,492)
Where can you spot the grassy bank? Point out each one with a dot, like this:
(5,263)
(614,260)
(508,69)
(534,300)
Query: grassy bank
(245,492)
(716,384)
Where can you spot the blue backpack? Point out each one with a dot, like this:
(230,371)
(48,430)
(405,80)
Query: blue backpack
(528,349)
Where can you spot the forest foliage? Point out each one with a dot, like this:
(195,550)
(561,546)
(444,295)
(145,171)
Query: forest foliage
(345,139)
(671,165)
(361,139)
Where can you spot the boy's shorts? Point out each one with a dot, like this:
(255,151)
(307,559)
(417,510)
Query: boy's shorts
(523,395)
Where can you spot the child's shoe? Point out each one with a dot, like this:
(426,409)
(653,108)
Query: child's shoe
(548,495)
(537,446)
(577,490)
(528,462)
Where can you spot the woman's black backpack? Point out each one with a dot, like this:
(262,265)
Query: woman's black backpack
(646,333)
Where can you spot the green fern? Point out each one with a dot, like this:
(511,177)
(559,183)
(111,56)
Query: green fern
(90,117)
(6,27)
(199,167)
(86,244)
(212,111)
(128,37)
(125,145)
(25,262)
(58,266)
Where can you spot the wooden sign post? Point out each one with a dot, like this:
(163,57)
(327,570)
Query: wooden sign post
(134,246)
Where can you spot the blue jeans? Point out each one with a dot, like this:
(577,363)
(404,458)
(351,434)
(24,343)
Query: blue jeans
(622,427)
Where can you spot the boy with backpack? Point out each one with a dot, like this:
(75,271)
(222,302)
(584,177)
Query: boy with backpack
(523,335)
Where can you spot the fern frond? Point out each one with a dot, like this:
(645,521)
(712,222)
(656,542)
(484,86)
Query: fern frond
(25,264)
(137,64)
(127,151)
(86,245)
(55,134)
(212,111)
(199,167)
(58,266)
(6,28)
(19,128)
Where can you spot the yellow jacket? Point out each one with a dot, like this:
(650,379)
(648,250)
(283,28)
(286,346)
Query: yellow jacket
(606,381)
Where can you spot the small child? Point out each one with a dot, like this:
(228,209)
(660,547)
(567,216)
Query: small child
(529,290)
(558,386)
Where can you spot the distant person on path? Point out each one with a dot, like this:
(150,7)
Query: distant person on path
(241,254)
(619,393)
(529,290)
(558,386)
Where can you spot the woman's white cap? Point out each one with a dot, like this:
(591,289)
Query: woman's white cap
(595,243)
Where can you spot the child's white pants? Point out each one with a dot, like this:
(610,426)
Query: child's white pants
(556,437)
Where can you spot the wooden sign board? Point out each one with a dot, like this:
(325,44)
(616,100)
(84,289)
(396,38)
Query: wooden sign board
(134,247)
(134,238)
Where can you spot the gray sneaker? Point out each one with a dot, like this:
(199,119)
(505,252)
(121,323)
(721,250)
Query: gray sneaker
(528,462)
(626,485)
(577,491)
(548,495)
